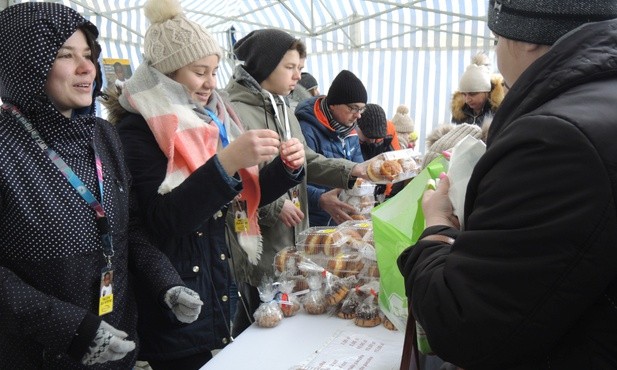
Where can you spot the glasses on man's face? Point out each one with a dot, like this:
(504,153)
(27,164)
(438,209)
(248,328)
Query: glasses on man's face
(355,109)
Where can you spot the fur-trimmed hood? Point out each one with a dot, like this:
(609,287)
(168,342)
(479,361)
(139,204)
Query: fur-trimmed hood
(495,98)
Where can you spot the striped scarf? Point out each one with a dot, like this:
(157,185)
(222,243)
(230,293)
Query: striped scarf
(189,139)
(341,130)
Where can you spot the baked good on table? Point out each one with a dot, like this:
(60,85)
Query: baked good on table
(287,259)
(319,238)
(336,293)
(389,324)
(367,313)
(347,308)
(268,315)
(345,264)
(314,302)
(367,319)
(372,270)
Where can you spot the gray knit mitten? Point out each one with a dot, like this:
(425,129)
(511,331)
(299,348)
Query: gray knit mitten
(109,344)
(184,303)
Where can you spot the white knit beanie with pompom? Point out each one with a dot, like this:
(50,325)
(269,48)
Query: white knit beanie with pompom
(172,41)
(402,121)
(477,76)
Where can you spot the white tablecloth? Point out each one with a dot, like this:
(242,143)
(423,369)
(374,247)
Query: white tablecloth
(311,342)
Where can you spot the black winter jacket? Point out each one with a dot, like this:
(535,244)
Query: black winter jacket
(531,283)
(188,225)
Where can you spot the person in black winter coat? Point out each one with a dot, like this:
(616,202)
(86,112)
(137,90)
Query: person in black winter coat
(531,281)
(64,217)
(192,163)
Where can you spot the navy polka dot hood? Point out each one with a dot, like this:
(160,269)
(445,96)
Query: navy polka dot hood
(25,61)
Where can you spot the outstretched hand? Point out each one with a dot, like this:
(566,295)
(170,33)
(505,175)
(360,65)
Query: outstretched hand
(337,209)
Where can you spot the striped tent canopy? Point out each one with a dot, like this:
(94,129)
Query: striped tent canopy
(409,52)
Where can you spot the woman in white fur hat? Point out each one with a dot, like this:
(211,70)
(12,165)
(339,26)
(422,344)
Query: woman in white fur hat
(479,93)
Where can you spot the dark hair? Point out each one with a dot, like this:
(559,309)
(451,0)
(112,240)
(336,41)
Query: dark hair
(95,50)
(299,46)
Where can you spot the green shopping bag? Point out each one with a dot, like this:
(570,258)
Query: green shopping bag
(397,224)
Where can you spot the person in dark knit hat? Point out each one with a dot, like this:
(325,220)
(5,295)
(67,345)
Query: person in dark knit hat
(272,62)
(328,124)
(374,132)
(309,83)
(305,89)
(378,135)
(531,280)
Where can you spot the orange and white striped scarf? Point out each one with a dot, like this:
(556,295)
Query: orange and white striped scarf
(188,141)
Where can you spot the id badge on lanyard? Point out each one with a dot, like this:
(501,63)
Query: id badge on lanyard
(102,223)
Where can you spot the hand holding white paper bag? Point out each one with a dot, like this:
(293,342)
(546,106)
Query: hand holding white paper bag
(465,155)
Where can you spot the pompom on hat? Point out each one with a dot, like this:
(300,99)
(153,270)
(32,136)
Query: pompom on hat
(373,122)
(262,51)
(172,41)
(477,76)
(401,120)
(346,88)
(544,22)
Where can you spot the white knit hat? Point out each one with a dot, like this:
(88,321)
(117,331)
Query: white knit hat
(477,76)
(172,41)
(401,120)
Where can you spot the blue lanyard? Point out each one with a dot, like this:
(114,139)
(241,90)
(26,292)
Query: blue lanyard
(102,222)
(222,129)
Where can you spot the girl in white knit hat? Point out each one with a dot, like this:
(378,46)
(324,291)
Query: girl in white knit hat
(192,162)
(479,94)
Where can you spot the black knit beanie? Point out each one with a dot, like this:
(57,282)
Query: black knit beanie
(544,22)
(262,51)
(307,81)
(373,122)
(346,88)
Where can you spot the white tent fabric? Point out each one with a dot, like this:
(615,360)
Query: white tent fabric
(408,52)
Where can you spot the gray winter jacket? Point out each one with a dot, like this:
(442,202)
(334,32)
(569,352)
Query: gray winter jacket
(254,108)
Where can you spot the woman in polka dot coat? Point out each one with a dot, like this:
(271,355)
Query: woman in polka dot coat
(51,251)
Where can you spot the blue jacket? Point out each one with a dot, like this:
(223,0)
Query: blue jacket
(323,140)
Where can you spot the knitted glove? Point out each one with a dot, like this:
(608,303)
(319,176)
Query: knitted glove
(109,344)
(184,303)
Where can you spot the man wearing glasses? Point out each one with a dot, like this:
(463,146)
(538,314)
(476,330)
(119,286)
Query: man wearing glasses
(328,124)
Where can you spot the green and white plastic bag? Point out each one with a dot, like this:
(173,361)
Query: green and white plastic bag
(397,224)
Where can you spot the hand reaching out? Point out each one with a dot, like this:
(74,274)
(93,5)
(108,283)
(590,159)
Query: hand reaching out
(292,153)
(290,214)
(249,149)
(338,210)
